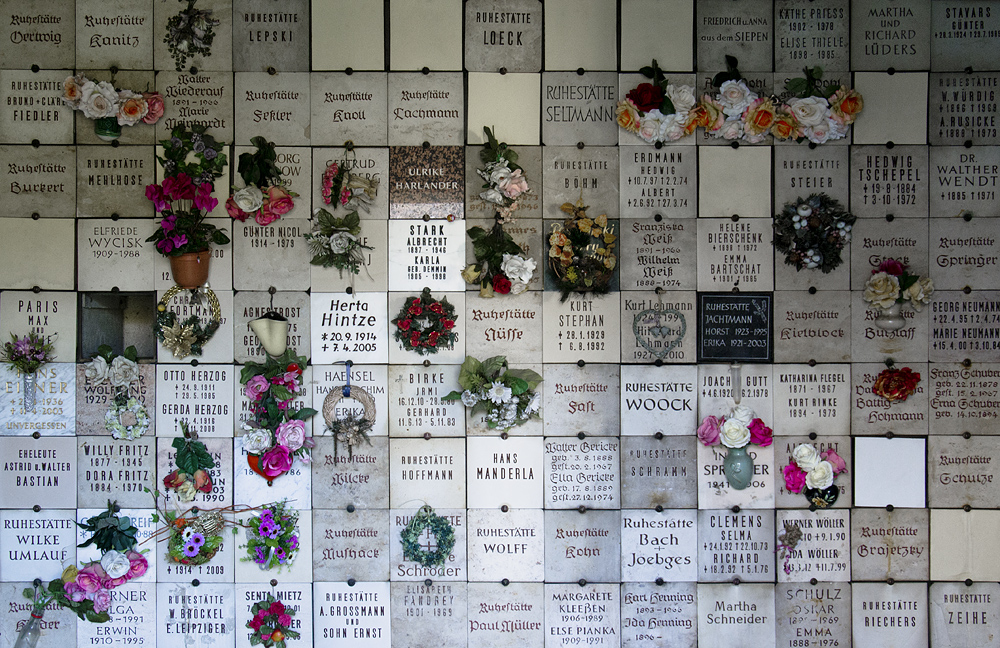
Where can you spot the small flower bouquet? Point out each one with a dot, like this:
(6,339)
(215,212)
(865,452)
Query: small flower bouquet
(811,232)
(193,536)
(501,266)
(190,32)
(265,196)
(813,472)
(581,252)
(895,384)
(736,431)
(505,181)
(271,623)
(27,354)
(425,324)
(890,284)
(126,418)
(109,108)
(506,395)
(273,537)
(193,462)
(659,111)
(335,243)
(341,188)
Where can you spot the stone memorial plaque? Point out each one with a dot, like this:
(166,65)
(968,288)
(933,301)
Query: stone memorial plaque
(372,378)
(579,108)
(56,628)
(783,456)
(427,470)
(584,327)
(37,545)
(113,469)
(454,567)
(658,616)
(221,450)
(815,613)
(581,472)
(23,242)
(745,31)
(277,105)
(659,472)
(49,314)
(571,173)
(349,108)
(735,327)
(423,254)
(94,401)
(476,424)
(872,344)
(887,35)
(716,395)
(965,326)
(800,171)
(735,254)
(43,34)
(889,181)
(415,405)
(492,325)
(454,354)
(735,545)
(349,327)
(133,617)
(205,98)
(361,479)
(812,399)
(658,327)
(964,34)
(714,490)
(220,569)
(253,490)
(113,254)
(807,34)
(874,415)
(141,518)
(366,162)
(963,615)
(114,33)
(962,398)
(743,615)
(823,552)
(503,35)
(508,544)
(960,472)
(504,472)
(426,108)
(962,108)
(512,615)
(874,241)
(658,254)
(436,614)
(349,545)
(297,598)
(139,134)
(529,205)
(39,181)
(248,306)
(201,396)
(584,546)
(813,326)
(892,616)
(55,404)
(205,614)
(658,399)
(963,181)
(269,35)
(38,472)
(890,544)
(426,182)
(659,183)
(33,109)
(659,545)
(372,275)
(873,485)
(581,399)
(294,163)
(588,614)
(221,55)
(366,623)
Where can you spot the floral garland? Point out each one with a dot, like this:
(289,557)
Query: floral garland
(575,268)
(264,195)
(895,384)
(270,623)
(506,395)
(27,354)
(351,429)
(424,324)
(890,284)
(190,32)
(334,242)
(813,472)
(341,188)
(505,181)
(812,232)
(188,337)
(273,537)
(109,108)
(443,533)
(193,462)
(501,266)
(659,111)
(126,418)
(740,428)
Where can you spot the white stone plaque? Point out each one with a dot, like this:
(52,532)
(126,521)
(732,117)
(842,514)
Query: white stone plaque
(814,613)
(349,545)
(506,544)
(513,613)
(659,472)
(962,110)
(582,546)
(963,614)
(141,518)
(716,395)
(23,242)
(571,173)
(714,490)
(220,56)
(873,241)
(872,414)
(117,33)
(205,98)
(659,616)
(583,327)
(349,327)
(297,599)
(39,472)
(658,399)
(248,306)
(493,325)
(426,182)
(783,457)
(886,35)
(415,405)
(872,344)
(39,181)
(114,254)
(431,471)
(964,253)
(426,254)
(735,545)
(890,544)
(735,254)
(113,181)
(133,617)
(349,107)
(221,450)
(37,545)
(627,82)
(55,401)
(590,613)
(276,104)
(660,545)
(372,274)
(220,347)
(736,615)
(114,469)
(581,399)
(32,109)
(49,314)
(41,34)
(800,171)
(302,398)
(658,254)
(889,181)
(579,108)
(960,472)
(965,326)
(295,165)
(529,205)
(361,478)
(426,108)
(56,628)
(454,566)
(476,424)
(273,256)
(454,354)
(746,32)
(372,378)
(219,570)
(187,613)
(268,35)
(251,489)
(344,626)
(892,616)
(202,396)
(960,398)
(658,328)
(812,326)
(436,614)
(963,180)
(808,34)
(582,472)
(504,472)
(823,552)
(812,399)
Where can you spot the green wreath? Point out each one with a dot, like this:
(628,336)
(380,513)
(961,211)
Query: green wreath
(443,533)
(424,324)
(187,337)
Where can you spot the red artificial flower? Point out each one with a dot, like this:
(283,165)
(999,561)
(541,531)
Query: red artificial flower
(277,608)
(436,307)
(501,284)
(415,338)
(892,267)
(432,338)
(173,480)
(404,324)
(646,97)
(447,324)
(295,368)
(416,309)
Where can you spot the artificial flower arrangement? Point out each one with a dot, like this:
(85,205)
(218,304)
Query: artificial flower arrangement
(813,472)
(736,431)
(127,417)
(425,324)
(787,542)
(110,108)
(575,267)
(335,242)
(275,434)
(351,428)
(501,266)
(273,537)
(188,336)
(194,535)
(190,32)
(896,384)
(444,535)
(506,395)
(265,196)
(811,232)
(193,462)
(27,355)
(352,191)
(271,623)
(891,284)
(505,181)
(659,111)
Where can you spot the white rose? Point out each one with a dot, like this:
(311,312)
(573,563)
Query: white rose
(501,172)
(517,287)
(340,242)
(517,268)
(732,129)
(257,440)
(249,199)
(115,563)
(649,127)
(743,414)
(682,97)
(493,196)
(881,290)
(734,434)
(123,372)
(811,111)
(821,476)
(96,371)
(98,100)
(818,134)
(837,130)
(735,96)
(186,491)
(920,292)
(806,456)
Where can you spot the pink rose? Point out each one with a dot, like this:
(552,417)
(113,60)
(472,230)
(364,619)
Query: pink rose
(285,620)
(74,592)
(276,461)
(513,185)
(111,583)
(102,600)
(265,216)
(291,434)
(137,564)
(203,481)
(90,577)
(760,434)
(795,477)
(155,102)
(256,387)
(838,463)
(708,431)
(234,211)
(279,200)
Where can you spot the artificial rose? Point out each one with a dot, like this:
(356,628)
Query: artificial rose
(279,200)
(675,128)
(285,620)
(291,434)
(234,210)
(340,242)
(517,287)
(785,125)
(486,291)
(708,431)
(132,108)
(809,111)
(499,172)
(517,268)
(493,196)
(69,574)
(708,114)
(154,104)
(257,440)
(123,372)
(821,476)
(115,563)
(203,481)
(186,492)
(447,324)
(759,117)
(91,577)
(174,479)
(501,284)
(732,129)
(256,387)
(806,456)
(98,100)
(837,130)
(558,239)
(646,97)
(470,274)
(96,371)
(846,105)
(820,134)
(919,292)
(741,413)
(265,216)
(795,478)
(137,564)
(891,266)
(649,127)
(72,91)
(513,185)
(682,97)
(102,600)
(276,461)
(838,463)
(404,324)
(734,433)
(627,116)
(760,434)
(248,199)
(881,290)
(74,592)
(735,96)
(896,384)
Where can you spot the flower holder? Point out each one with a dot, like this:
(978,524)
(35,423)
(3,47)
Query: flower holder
(28,386)
(738,467)
(107,128)
(254,462)
(191,270)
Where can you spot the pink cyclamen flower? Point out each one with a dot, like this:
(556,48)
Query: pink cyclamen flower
(708,431)
(154,193)
(795,477)
(838,463)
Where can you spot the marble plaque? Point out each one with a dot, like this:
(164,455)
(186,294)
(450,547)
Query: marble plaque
(961,472)
(93,401)
(963,615)
(800,171)
(659,183)
(740,172)
(349,327)
(872,344)
(581,399)
(372,275)
(812,399)
(886,35)
(219,570)
(248,306)
(37,545)
(38,472)
(349,108)
(889,181)
(139,134)
(57,628)
(33,109)
(743,615)
(372,378)
(40,33)
(251,489)
(529,205)
(345,626)
(508,544)
(221,450)
(202,396)
(512,614)
(582,546)
(890,471)
(55,402)
(962,108)
(659,472)
(735,545)
(658,254)
(436,614)
(492,325)
(23,242)
(133,617)
(267,35)
(658,616)
(205,98)
(426,182)
(221,55)
(658,327)
(454,354)
(961,398)
(965,326)
(114,33)
(819,614)
(963,181)
(714,490)
(735,254)
(823,552)
(298,603)
(590,613)
(579,108)
(582,473)
(302,398)
(715,394)
(113,254)
(808,34)
(659,545)
(114,469)
(892,616)
(726,29)
(454,567)
(428,471)
(812,326)
(39,181)
(187,613)
(964,34)
(658,399)
(571,173)
(426,108)
(503,34)
(476,424)
(890,544)
(278,105)
(423,254)
(504,472)
(415,405)
(584,327)
(350,545)
(874,241)
(783,456)
(361,479)
(873,414)
(366,162)
(49,314)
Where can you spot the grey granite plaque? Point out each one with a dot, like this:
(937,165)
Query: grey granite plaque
(248,306)
(658,399)
(39,181)
(423,254)
(507,545)
(512,615)
(735,254)
(529,205)
(583,546)
(426,182)
(961,472)
(38,472)
(581,399)
(824,550)
(963,181)
(735,545)
(736,615)
(370,163)
(278,105)
(220,56)
(505,325)
(415,405)
(887,34)
(812,326)
(875,240)
(349,327)
(819,614)
(297,599)
(427,470)
(118,470)
(571,174)
(658,327)
(965,326)
(49,314)
(361,479)
(873,344)
(372,378)
(271,35)
(205,98)
(727,29)
(113,254)
(275,255)
(784,446)
(503,35)
(221,450)
(890,544)
(962,108)
(659,182)
(659,545)
(584,327)
(961,398)
(812,399)
(964,34)
(426,108)
(873,414)
(114,33)
(202,396)
(55,401)
(350,545)
(436,614)
(40,33)
(800,171)
(658,255)
(40,543)
(579,108)
(186,613)
(349,108)
(590,613)
(892,616)
(504,472)
(889,181)
(454,566)
(809,34)
(659,472)
(345,626)
(113,181)
(581,472)
(658,616)
(963,615)
(32,109)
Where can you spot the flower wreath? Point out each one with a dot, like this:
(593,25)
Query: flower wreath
(126,417)
(443,532)
(895,384)
(128,420)
(351,429)
(194,536)
(193,462)
(507,395)
(575,268)
(341,188)
(813,472)
(424,324)
(334,242)
(270,623)
(273,537)
(190,32)
(264,195)
(812,232)
(187,337)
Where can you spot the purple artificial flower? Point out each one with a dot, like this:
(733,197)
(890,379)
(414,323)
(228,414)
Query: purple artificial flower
(210,153)
(268,529)
(280,553)
(293,542)
(191,550)
(261,558)
(175,142)
(197,540)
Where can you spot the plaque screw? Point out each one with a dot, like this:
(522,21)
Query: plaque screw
(658,145)
(504,508)
(36,508)
(812,507)
(194,509)
(36,289)
(350,291)
(657,363)
(889,218)
(968,582)
(659,508)
(428,582)
(658,218)
(658,436)
(735,144)
(35,215)
(193,70)
(966,363)
(889,434)
(350,508)
(37,582)
(36,435)
(890,581)
(194,363)
(115,216)
(582,509)
(659,580)
(967,290)
(813,581)
(427,436)
(967,508)
(580,363)
(427,217)
(812,436)
(195,582)
(274,582)
(812,362)
(505,582)
(968,69)
(812,145)
(114,69)
(115,289)
(889,508)
(426,70)
(581,435)
(891,71)
(35,68)
(736,580)
(967,216)
(580,71)
(812,290)
(35,143)
(349,71)
(351,582)
(503,70)
(735,217)
(736,508)
(427,363)
(968,144)
(270,483)
(504,436)
(890,144)
(426,145)
(582,582)
(580,145)
(271,70)
(115,144)
(965,435)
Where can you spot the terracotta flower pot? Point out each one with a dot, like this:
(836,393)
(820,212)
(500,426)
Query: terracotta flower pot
(190,270)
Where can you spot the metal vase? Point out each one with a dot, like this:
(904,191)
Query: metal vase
(29,380)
